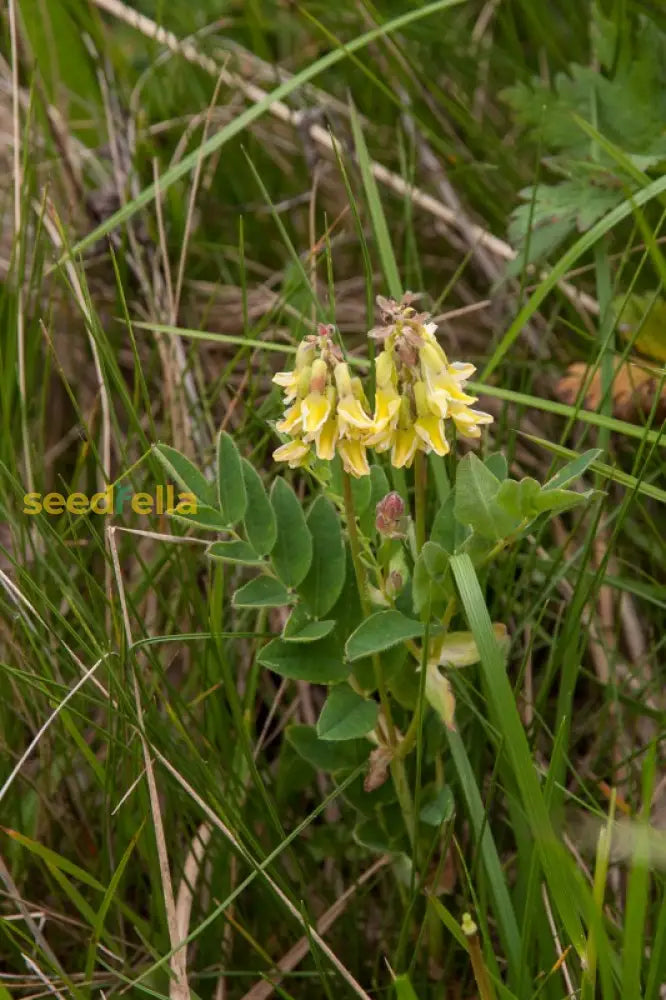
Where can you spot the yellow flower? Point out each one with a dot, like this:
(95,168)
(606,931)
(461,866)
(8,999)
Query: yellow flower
(315,409)
(289,382)
(294,452)
(291,422)
(387,407)
(404,447)
(385,373)
(431,431)
(468,421)
(354,457)
(350,411)
(326,439)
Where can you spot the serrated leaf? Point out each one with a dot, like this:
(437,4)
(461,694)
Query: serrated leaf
(262,592)
(326,577)
(381,631)
(324,754)
(292,553)
(235,552)
(230,481)
(318,662)
(476,490)
(260,524)
(185,473)
(346,715)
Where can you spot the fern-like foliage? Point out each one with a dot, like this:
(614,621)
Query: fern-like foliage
(601,131)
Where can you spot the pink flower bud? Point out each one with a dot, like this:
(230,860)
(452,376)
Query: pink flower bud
(390,516)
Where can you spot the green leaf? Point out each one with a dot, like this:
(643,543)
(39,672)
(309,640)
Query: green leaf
(318,662)
(381,631)
(431,585)
(379,224)
(515,746)
(573,470)
(206,518)
(260,523)
(497,464)
(346,715)
(292,553)
(518,499)
(234,552)
(438,806)
(300,627)
(230,481)
(185,473)
(325,755)
(403,988)
(446,531)
(262,592)
(476,489)
(326,577)
(558,500)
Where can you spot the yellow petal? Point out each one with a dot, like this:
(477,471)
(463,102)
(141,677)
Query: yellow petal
(404,447)
(326,439)
(315,410)
(381,440)
(385,373)
(431,430)
(459,649)
(350,411)
(467,421)
(354,458)
(461,370)
(291,420)
(294,452)
(286,379)
(439,694)
(387,407)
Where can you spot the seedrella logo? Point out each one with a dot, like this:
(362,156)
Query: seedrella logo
(114,500)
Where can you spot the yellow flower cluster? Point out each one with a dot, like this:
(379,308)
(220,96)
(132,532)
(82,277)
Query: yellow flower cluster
(326,408)
(417,390)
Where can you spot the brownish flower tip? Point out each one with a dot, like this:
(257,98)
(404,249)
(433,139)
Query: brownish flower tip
(389,516)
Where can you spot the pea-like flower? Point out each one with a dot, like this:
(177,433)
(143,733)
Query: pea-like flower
(327,409)
(417,389)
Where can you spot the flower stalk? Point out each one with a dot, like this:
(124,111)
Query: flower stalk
(362,585)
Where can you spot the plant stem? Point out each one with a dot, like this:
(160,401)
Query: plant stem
(420,490)
(362,584)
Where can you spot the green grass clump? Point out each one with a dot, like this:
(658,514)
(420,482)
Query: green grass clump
(188,191)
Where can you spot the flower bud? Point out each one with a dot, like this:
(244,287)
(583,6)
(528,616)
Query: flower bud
(389,516)
(304,354)
(319,376)
(394,583)
(343,380)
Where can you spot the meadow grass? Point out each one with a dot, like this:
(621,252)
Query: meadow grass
(187,191)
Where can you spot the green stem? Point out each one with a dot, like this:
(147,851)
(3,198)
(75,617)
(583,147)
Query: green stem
(420,490)
(362,584)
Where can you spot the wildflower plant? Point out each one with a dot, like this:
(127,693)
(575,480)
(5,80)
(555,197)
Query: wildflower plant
(372,572)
